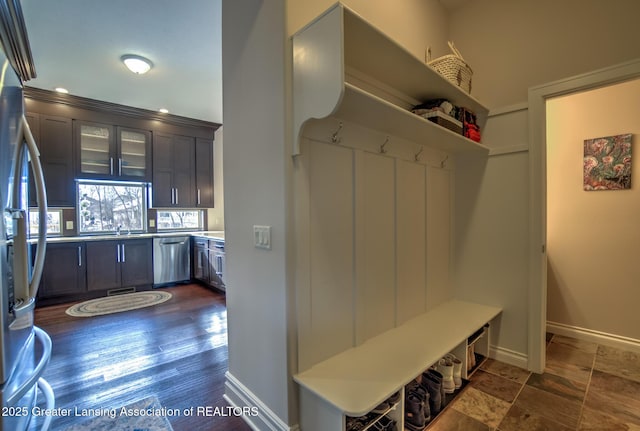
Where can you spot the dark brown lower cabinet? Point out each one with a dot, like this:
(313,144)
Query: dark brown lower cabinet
(64,270)
(207,262)
(119,264)
(200,260)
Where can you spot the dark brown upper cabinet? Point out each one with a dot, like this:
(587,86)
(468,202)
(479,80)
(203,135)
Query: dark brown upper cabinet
(53,136)
(204,173)
(112,152)
(173,171)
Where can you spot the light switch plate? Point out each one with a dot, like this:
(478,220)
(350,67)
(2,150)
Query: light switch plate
(152,223)
(262,237)
(69,225)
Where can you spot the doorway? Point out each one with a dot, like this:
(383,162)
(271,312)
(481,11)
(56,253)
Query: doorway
(538,97)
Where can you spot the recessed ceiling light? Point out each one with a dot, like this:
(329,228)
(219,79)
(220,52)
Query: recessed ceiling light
(136,63)
(62,90)
(164,110)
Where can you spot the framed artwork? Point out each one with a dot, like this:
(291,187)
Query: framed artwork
(607,163)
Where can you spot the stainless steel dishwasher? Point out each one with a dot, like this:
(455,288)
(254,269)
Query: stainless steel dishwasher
(171,260)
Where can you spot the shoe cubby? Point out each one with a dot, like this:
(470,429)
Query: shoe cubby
(385,417)
(477,349)
(426,392)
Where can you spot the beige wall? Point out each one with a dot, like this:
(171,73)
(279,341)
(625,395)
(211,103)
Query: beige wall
(515,44)
(593,237)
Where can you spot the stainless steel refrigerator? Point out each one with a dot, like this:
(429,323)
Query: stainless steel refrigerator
(24,349)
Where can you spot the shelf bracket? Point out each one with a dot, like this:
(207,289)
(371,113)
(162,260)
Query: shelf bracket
(417,155)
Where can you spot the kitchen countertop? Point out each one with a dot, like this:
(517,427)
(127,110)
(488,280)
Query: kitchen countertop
(212,234)
(217,235)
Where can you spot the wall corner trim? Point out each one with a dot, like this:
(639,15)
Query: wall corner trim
(238,395)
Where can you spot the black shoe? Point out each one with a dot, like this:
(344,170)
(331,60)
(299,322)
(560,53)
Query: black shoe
(414,418)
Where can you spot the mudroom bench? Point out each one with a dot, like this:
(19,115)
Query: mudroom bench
(356,381)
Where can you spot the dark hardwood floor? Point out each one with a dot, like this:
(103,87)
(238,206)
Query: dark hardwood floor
(176,351)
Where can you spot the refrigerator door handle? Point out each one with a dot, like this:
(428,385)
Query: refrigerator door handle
(20,259)
(41,196)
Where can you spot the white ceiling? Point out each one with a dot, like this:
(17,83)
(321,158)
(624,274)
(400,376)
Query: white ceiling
(77,44)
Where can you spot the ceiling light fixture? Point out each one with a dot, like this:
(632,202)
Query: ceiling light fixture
(62,90)
(164,110)
(136,63)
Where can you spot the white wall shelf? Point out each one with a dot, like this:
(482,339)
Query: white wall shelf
(345,67)
(367,109)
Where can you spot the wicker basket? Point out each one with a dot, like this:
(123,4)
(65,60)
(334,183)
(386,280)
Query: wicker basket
(453,67)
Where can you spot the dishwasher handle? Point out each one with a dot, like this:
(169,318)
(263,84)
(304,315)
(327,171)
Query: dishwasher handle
(172,241)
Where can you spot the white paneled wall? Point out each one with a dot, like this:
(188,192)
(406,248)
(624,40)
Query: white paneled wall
(373,240)
(411,231)
(331,249)
(438,237)
(375,244)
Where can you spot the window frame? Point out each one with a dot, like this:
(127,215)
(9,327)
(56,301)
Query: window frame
(145,205)
(201,220)
(34,211)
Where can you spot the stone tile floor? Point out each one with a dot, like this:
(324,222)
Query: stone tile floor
(585,387)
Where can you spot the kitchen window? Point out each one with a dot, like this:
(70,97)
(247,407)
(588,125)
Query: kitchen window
(111,207)
(176,220)
(54,220)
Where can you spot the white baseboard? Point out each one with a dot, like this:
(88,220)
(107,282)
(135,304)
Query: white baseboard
(510,357)
(612,340)
(238,395)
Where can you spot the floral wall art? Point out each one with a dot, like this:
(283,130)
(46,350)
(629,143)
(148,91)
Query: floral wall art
(607,163)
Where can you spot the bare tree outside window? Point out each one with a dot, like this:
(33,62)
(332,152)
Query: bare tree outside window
(53,222)
(107,207)
(173,219)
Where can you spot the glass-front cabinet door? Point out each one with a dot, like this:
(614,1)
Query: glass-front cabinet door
(95,144)
(134,153)
(112,152)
